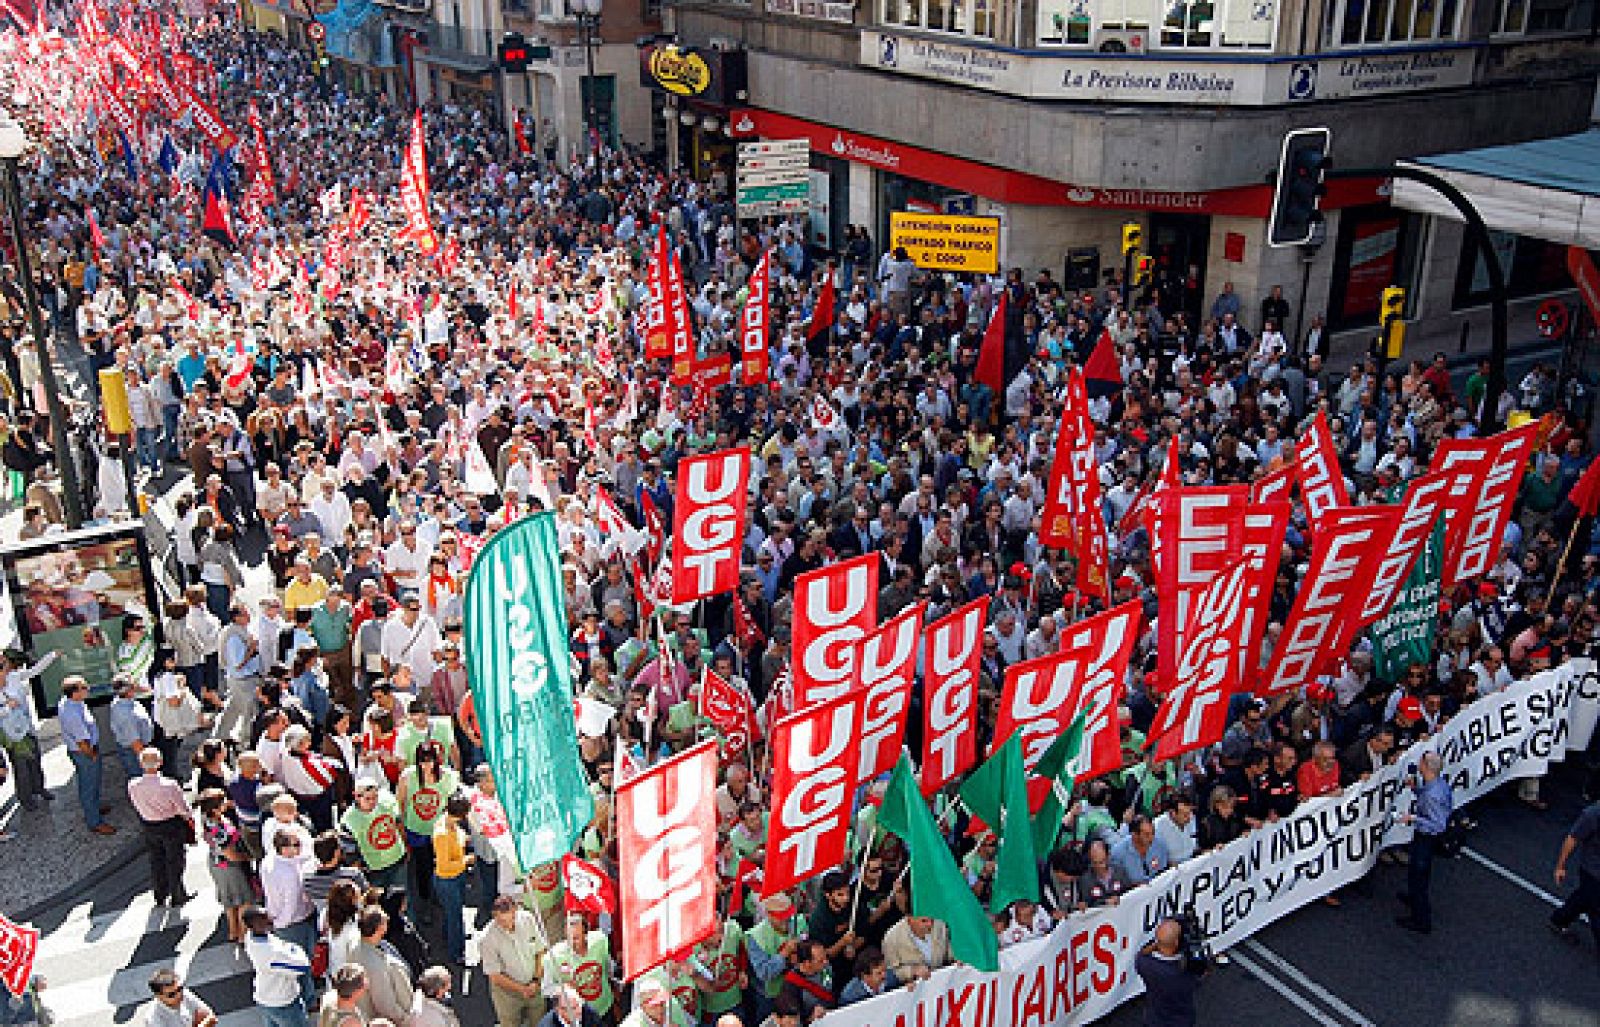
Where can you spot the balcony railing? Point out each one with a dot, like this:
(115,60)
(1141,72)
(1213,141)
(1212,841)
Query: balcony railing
(454,39)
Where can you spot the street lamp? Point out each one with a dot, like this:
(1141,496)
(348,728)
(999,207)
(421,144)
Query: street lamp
(13,144)
(587,12)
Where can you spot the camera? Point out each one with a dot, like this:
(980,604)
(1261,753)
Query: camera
(1196,948)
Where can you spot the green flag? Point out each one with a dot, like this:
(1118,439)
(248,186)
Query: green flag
(520,667)
(1056,762)
(938,888)
(998,792)
(1404,635)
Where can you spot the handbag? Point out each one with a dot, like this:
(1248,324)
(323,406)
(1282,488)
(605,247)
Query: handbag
(319,958)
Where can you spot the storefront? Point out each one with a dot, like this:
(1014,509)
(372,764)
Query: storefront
(697,90)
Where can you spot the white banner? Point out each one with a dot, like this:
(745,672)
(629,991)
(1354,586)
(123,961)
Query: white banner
(1085,969)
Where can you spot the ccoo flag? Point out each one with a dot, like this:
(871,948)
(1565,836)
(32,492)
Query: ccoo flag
(521,667)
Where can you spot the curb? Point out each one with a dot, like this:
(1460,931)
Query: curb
(125,854)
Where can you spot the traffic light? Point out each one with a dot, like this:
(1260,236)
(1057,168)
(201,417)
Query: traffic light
(1132,237)
(1393,304)
(1298,189)
(1391,310)
(1147,267)
(514,52)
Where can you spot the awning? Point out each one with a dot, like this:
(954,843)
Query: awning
(471,63)
(1548,189)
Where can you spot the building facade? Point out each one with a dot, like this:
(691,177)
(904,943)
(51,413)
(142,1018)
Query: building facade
(1067,119)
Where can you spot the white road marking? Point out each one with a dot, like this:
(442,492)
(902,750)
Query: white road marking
(1296,999)
(1294,974)
(1508,875)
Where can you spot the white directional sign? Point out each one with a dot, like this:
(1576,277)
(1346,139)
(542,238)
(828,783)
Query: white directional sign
(773,177)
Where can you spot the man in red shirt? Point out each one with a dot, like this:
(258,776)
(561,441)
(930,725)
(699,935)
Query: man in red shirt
(1319,775)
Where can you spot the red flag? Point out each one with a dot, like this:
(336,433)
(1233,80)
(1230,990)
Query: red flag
(1479,506)
(513,311)
(523,146)
(729,710)
(586,888)
(822,313)
(1321,479)
(744,626)
(1327,609)
(950,685)
(746,872)
(814,771)
(1195,711)
(239,370)
(261,159)
(657,331)
(1274,485)
(823,416)
(448,257)
(1057,526)
(1042,695)
(95,235)
(1265,524)
(755,325)
(1585,494)
(414,192)
(1102,372)
(19,944)
(1090,546)
(655,529)
(1419,511)
(885,664)
(991,369)
(834,607)
(1197,533)
(205,118)
(680,322)
(641,590)
(667,844)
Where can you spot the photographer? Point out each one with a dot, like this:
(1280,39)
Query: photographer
(1170,978)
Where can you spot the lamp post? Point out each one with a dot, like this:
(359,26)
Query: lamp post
(13,144)
(588,14)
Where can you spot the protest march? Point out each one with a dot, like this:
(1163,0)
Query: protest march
(583,592)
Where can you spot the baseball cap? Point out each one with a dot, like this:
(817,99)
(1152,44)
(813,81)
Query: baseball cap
(1410,708)
(778,907)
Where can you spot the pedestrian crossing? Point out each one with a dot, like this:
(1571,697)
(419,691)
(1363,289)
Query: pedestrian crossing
(97,964)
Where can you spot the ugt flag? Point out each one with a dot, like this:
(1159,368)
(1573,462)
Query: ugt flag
(521,668)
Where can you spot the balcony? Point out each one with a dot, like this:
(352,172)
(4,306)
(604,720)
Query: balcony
(466,49)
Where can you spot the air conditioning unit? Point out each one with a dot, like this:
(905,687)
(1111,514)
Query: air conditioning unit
(1122,41)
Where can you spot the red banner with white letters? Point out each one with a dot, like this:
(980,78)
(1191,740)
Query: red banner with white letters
(19,944)
(1478,506)
(1042,695)
(755,325)
(708,523)
(209,122)
(815,758)
(1265,524)
(667,847)
(950,694)
(1327,610)
(1419,510)
(1274,485)
(885,664)
(680,323)
(418,226)
(1194,712)
(1197,532)
(657,333)
(834,608)
(1321,479)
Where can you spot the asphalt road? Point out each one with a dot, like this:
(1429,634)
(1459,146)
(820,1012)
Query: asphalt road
(1490,962)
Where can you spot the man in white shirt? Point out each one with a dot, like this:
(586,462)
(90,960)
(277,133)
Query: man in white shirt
(332,508)
(406,559)
(283,886)
(410,640)
(282,972)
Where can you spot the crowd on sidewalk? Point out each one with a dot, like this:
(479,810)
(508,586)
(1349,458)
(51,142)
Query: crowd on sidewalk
(367,443)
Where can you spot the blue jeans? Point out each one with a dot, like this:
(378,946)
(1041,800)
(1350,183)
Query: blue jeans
(130,763)
(147,443)
(169,430)
(293,1015)
(88,775)
(451,893)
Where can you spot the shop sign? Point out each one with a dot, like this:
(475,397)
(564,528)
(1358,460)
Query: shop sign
(1122,78)
(948,242)
(816,10)
(711,75)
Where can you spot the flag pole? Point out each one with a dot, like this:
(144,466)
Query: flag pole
(1555,577)
(861,873)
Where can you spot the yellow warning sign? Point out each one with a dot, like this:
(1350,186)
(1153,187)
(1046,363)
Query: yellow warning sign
(948,242)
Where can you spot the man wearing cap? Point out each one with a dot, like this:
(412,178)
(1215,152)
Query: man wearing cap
(771,945)
(1407,723)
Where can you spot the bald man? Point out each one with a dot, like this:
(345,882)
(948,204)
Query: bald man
(1169,985)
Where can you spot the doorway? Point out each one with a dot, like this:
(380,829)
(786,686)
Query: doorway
(1179,243)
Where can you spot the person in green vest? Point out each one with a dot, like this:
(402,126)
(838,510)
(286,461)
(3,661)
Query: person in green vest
(581,961)
(424,787)
(718,967)
(1090,817)
(683,996)
(1149,782)
(747,840)
(373,821)
(770,946)
(542,895)
(419,727)
(654,1006)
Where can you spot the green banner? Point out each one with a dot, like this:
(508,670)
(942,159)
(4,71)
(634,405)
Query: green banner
(998,793)
(1404,635)
(520,668)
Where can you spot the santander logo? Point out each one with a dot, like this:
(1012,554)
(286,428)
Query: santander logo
(744,124)
(881,154)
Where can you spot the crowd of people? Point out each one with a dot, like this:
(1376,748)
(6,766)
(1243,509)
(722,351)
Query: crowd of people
(338,778)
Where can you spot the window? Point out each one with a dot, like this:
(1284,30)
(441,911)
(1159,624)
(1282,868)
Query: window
(1388,22)
(962,17)
(1159,24)
(1531,267)
(1519,17)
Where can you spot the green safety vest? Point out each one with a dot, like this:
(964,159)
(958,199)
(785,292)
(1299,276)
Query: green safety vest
(424,806)
(378,833)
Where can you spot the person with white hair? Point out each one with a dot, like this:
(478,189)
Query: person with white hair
(430,1004)
(167,825)
(1429,822)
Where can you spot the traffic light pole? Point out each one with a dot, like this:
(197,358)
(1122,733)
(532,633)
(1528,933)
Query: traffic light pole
(1479,233)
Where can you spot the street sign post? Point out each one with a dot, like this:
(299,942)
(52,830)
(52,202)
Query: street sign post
(773,177)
